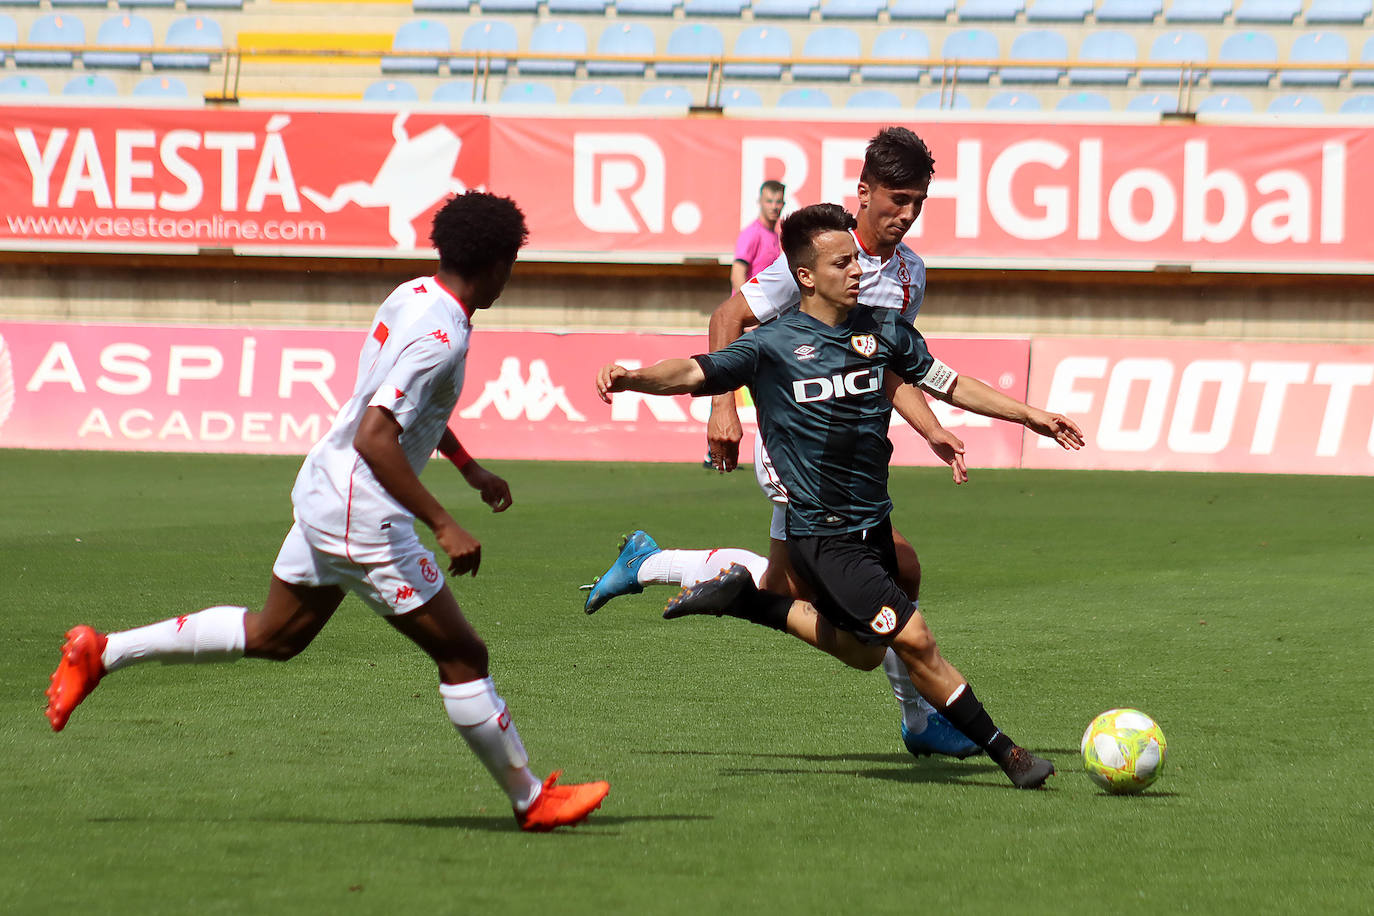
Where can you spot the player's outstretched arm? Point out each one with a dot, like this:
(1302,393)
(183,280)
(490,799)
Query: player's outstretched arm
(911,406)
(723,430)
(671,376)
(494,490)
(981,398)
(378,442)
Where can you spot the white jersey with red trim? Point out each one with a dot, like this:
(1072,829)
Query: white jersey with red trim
(897,283)
(412,364)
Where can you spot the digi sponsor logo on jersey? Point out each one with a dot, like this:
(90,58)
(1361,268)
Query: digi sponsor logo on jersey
(823,388)
(885,622)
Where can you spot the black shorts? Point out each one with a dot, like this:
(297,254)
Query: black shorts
(853,578)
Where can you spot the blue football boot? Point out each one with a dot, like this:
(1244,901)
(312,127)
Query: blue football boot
(622,578)
(939,737)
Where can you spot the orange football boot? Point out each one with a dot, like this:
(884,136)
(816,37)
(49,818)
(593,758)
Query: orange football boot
(561,806)
(80,669)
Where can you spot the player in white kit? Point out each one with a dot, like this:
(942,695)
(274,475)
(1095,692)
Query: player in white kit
(355,502)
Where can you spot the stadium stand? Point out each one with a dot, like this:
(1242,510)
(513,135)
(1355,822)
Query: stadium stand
(897,45)
(805,98)
(1198,11)
(697,39)
(645,7)
(1013,101)
(1365,77)
(556,37)
(675,96)
(829,41)
(509,6)
(730,9)
(596,94)
(1158,102)
(418,35)
(90,84)
(956,101)
(739,97)
(128,30)
(484,37)
(390,91)
(866,10)
(1140,11)
(455,91)
(1036,44)
(991,10)
(1225,102)
(1338,12)
(783,9)
(1066,11)
(9,34)
(52,29)
(165,87)
(1108,45)
(1247,47)
(1296,103)
(873,98)
(23,84)
(1083,101)
(1179,47)
(576,7)
(937,10)
(759,41)
(1279,12)
(529,93)
(626,38)
(1316,48)
(190,32)
(1362,104)
(970,44)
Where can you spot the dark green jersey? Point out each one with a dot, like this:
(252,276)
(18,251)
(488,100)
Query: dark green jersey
(823,408)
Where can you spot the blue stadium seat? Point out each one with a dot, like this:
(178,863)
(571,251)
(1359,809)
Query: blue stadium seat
(1364,77)
(1358,104)
(1198,11)
(695,39)
(1247,47)
(1129,10)
(1296,103)
(53,29)
(897,45)
(1281,12)
(783,9)
(971,44)
(1084,101)
(1162,102)
(626,38)
(166,4)
(728,8)
(1316,48)
(190,32)
(676,96)
(1108,45)
(127,30)
(1059,10)
(937,10)
(485,36)
(385,91)
(508,6)
(32,3)
(441,6)
(1338,12)
(455,91)
(1180,47)
(163,87)
(555,36)
(990,10)
(90,84)
(9,33)
(805,97)
(1225,103)
(1036,44)
(873,98)
(1013,101)
(577,7)
(418,35)
(60,4)
(866,10)
(214,4)
(828,41)
(739,98)
(596,94)
(760,41)
(646,7)
(528,94)
(23,84)
(933,101)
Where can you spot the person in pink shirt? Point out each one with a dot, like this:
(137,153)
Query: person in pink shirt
(757,245)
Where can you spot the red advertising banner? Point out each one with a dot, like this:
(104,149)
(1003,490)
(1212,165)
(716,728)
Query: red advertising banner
(355,181)
(1208,405)
(274,391)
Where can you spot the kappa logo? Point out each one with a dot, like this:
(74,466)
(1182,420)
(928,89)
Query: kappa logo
(805,351)
(6,383)
(404,593)
(428,570)
(514,396)
(440,336)
(865,344)
(885,622)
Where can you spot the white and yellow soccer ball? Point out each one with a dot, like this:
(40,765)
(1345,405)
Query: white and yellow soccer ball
(1123,751)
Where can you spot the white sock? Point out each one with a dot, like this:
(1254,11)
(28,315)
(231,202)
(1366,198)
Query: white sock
(481,717)
(915,709)
(212,635)
(688,567)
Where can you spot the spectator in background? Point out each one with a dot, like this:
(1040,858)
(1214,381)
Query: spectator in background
(757,245)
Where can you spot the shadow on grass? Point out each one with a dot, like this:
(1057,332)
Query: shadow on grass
(494,823)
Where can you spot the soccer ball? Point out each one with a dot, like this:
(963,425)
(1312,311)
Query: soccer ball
(1123,751)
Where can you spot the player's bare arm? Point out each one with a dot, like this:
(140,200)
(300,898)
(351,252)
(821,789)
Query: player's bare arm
(979,397)
(378,442)
(494,490)
(723,431)
(739,274)
(671,376)
(912,407)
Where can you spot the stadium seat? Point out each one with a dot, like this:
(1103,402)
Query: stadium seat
(190,32)
(1084,101)
(828,41)
(1246,47)
(1364,77)
(484,37)
(418,35)
(127,30)
(53,29)
(596,94)
(577,7)
(1059,10)
(1316,48)
(1036,44)
(1173,47)
(528,94)
(739,98)
(990,10)
(1358,104)
(1296,103)
(9,34)
(455,91)
(897,45)
(970,44)
(390,91)
(1279,12)
(696,39)
(554,36)
(23,84)
(937,10)
(727,8)
(163,87)
(866,10)
(805,97)
(1338,12)
(783,9)
(1161,102)
(90,84)
(1223,103)
(1129,10)
(675,96)
(646,7)
(873,98)
(1013,101)
(1198,11)
(214,4)
(626,38)
(759,41)
(1108,45)
(33,3)
(441,6)
(508,6)
(60,4)
(936,100)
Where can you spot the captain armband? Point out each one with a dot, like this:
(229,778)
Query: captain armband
(940,379)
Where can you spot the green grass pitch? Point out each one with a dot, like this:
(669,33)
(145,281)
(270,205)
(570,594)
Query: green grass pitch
(750,773)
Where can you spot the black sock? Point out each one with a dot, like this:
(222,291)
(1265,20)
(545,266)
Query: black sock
(967,714)
(767,609)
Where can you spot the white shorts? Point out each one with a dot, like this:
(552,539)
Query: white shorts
(772,488)
(408,579)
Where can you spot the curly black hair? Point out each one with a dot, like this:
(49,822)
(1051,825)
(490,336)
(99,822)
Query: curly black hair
(897,158)
(805,224)
(472,231)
